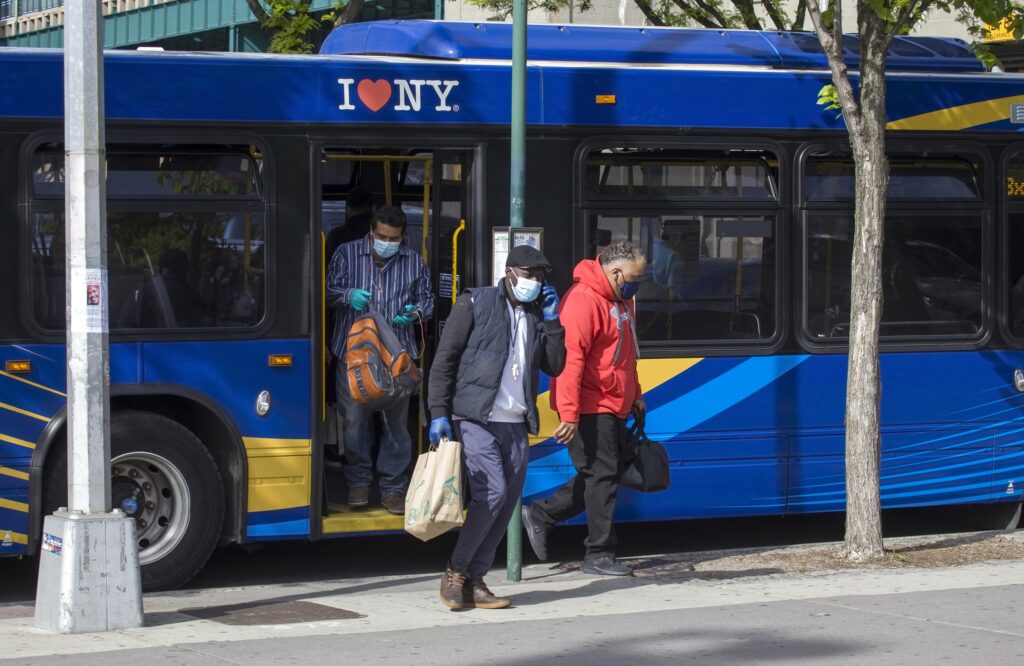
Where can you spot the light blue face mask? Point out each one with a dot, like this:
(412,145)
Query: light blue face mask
(526,290)
(385,249)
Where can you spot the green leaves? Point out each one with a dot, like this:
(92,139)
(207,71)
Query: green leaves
(828,97)
(293,24)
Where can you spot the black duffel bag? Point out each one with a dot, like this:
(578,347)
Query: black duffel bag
(647,469)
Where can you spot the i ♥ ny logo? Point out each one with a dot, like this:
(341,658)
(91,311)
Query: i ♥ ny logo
(407,94)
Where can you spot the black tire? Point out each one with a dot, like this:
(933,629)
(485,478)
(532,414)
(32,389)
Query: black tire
(163,475)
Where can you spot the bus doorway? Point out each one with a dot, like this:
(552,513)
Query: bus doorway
(432,187)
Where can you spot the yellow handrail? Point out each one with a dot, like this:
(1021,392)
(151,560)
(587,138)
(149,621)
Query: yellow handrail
(455,258)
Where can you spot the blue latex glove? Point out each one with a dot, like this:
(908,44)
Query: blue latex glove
(407,317)
(440,428)
(549,302)
(359,299)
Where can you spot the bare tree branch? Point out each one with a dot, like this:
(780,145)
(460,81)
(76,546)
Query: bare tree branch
(848,102)
(800,15)
(257,10)
(746,9)
(774,13)
(698,14)
(649,12)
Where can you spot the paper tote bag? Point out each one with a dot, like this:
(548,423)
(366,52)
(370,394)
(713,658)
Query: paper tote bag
(648,470)
(433,503)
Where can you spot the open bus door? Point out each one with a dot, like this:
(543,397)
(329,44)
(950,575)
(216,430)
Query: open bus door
(433,189)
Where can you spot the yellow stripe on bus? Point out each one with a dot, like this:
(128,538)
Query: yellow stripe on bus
(16,537)
(24,412)
(653,373)
(959,117)
(15,440)
(33,384)
(13,506)
(16,473)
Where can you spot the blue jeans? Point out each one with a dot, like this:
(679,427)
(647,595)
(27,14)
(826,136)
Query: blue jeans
(395,444)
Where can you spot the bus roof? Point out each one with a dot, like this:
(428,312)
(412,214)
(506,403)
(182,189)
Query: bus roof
(394,90)
(453,40)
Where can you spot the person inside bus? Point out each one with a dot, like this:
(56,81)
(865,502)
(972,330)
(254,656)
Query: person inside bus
(172,273)
(378,272)
(593,397)
(358,210)
(485,376)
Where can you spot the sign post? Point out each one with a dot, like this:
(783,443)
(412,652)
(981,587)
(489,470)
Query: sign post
(517,204)
(89,563)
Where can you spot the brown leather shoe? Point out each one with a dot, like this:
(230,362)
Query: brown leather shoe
(477,595)
(394,503)
(453,584)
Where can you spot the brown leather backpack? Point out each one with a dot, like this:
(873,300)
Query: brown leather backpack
(379,370)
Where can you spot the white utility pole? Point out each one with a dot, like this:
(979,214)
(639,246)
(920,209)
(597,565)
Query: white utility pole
(89,562)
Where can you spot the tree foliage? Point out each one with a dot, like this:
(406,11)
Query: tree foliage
(292,23)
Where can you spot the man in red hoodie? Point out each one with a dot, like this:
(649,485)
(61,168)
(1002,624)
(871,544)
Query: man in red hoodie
(595,393)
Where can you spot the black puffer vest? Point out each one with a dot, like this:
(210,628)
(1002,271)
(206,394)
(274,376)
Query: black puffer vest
(483,361)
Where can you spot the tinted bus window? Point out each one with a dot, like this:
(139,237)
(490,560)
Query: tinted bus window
(931,275)
(709,277)
(186,240)
(619,172)
(160,174)
(833,180)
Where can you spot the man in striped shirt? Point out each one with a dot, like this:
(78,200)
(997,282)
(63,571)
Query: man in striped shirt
(378,272)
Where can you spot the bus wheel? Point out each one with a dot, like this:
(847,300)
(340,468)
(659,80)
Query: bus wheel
(163,477)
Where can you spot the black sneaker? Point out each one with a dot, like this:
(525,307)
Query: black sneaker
(394,503)
(605,565)
(359,496)
(536,534)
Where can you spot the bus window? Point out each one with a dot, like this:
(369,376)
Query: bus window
(931,275)
(709,277)
(711,270)
(670,173)
(932,253)
(186,239)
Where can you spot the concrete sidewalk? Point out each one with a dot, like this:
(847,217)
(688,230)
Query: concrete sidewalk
(861,616)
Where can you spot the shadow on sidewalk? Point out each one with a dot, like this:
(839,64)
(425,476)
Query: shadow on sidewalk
(190,614)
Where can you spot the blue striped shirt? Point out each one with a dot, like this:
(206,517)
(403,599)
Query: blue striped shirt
(402,280)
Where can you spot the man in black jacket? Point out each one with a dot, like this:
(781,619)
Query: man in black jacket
(485,376)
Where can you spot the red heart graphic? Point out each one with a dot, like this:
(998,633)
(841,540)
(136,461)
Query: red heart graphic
(374,94)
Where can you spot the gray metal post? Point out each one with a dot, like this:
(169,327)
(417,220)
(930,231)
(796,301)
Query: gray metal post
(89,563)
(517,206)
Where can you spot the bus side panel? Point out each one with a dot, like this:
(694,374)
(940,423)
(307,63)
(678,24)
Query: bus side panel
(765,435)
(278,445)
(28,401)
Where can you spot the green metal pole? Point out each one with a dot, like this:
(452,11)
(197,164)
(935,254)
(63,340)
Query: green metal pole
(517,204)
(438,10)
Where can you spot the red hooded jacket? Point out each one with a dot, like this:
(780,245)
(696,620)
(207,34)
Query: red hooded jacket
(601,349)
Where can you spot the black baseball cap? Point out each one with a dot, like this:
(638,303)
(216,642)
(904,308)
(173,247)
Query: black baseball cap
(525,256)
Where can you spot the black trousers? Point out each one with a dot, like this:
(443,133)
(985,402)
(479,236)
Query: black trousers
(596,453)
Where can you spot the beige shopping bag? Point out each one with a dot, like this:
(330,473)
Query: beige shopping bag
(433,503)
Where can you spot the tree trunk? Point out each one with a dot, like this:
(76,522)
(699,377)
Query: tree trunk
(863,385)
(257,10)
(350,14)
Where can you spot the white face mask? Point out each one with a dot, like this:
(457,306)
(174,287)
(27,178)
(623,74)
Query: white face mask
(526,290)
(385,249)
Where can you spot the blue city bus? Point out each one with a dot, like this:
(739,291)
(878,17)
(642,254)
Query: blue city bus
(706,147)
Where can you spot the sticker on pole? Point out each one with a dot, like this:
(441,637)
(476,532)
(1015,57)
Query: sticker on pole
(95,301)
(52,543)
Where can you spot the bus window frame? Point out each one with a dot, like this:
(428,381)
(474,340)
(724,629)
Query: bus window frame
(984,209)
(265,204)
(1004,283)
(779,208)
